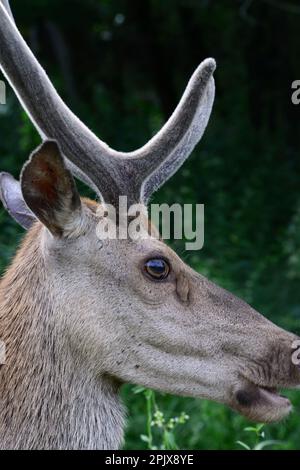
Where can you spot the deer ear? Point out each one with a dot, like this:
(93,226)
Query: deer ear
(49,190)
(13,201)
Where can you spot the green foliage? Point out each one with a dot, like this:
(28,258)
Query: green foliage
(259,436)
(124,68)
(210,426)
(158,426)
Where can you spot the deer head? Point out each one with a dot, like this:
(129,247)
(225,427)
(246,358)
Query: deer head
(123,310)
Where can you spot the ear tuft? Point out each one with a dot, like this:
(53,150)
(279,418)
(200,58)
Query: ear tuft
(49,189)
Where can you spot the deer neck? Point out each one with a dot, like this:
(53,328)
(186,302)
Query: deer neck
(48,398)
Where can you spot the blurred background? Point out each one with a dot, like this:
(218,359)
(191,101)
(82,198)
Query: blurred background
(122,66)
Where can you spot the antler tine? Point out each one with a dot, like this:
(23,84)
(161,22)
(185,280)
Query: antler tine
(74,169)
(51,116)
(7,7)
(134,174)
(161,157)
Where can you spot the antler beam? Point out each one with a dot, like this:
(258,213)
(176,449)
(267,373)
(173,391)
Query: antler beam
(111,173)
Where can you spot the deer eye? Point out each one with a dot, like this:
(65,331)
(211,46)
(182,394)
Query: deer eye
(157,268)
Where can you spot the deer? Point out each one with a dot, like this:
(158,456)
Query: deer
(81,316)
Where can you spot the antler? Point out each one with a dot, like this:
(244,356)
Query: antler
(7,7)
(111,173)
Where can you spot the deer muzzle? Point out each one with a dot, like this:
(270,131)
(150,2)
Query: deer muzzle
(258,395)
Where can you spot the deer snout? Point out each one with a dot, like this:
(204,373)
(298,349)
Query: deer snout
(276,366)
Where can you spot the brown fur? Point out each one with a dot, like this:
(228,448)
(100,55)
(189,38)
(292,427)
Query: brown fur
(47,400)
(67,352)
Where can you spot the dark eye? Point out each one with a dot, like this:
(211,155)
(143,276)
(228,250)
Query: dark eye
(157,268)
